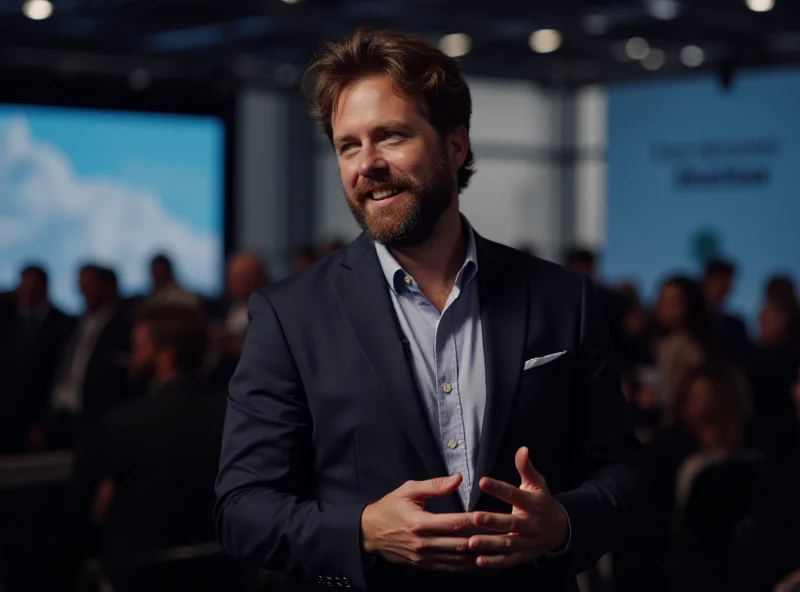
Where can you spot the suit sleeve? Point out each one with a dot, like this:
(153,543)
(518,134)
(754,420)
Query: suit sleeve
(608,456)
(265,510)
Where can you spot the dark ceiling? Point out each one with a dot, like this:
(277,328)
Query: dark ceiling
(270,41)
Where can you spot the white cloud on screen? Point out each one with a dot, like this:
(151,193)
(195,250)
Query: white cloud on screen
(50,214)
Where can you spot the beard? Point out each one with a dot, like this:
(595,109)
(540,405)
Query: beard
(412,219)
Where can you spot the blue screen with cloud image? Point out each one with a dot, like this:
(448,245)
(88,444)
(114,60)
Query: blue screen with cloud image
(110,187)
(696,170)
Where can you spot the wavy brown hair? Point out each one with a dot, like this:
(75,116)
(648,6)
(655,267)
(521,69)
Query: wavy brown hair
(416,70)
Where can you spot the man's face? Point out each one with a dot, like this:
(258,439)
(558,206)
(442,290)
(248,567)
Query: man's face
(143,354)
(717,287)
(31,289)
(399,175)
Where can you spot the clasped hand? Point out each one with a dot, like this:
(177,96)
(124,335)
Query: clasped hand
(398,528)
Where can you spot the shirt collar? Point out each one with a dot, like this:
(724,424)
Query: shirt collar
(395,275)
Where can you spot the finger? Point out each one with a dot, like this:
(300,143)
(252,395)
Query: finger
(498,543)
(529,475)
(501,561)
(444,545)
(501,522)
(429,524)
(505,492)
(432,487)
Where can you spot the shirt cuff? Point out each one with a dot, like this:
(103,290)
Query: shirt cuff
(565,548)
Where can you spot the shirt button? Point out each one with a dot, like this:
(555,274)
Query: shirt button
(452,444)
(447,388)
(407,279)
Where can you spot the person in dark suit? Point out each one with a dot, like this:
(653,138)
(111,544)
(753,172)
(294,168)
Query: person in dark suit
(730,331)
(424,408)
(33,336)
(146,478)
(92,374)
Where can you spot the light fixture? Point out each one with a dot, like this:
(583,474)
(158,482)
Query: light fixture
(692,56)
(637,48)
(664,10)
(545,40)
(456,44)
(37,10)
(760,5)
(290,1)
(653,60)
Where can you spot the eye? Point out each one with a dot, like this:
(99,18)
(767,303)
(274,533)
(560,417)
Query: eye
(393,136)
(343,148)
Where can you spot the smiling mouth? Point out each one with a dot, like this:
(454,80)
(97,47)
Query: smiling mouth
(381,194)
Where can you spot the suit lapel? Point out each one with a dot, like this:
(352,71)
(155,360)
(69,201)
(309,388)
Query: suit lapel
(364,299)
(503,295)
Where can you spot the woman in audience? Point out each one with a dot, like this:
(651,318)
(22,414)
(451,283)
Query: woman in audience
(715,408)
(684,340)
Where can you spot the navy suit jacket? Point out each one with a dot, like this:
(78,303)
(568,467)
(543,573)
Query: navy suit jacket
(324,417)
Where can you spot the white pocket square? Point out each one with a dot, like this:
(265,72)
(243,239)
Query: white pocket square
(534,362)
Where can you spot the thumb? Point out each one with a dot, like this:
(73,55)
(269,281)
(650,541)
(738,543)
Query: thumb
(530,476)
(439,486)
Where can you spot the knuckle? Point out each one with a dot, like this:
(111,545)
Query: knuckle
(417,546)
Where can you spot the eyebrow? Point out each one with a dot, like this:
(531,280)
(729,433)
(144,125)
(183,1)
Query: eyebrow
(388,125)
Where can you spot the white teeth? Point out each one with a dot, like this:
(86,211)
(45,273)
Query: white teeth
(383,194)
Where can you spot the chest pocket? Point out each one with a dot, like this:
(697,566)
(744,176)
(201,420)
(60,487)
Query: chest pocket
(559,370)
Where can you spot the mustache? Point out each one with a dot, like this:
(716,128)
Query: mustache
(365,190)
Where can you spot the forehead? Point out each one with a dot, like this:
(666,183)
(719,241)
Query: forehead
(371,102)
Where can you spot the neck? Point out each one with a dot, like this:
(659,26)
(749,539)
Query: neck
(435,263)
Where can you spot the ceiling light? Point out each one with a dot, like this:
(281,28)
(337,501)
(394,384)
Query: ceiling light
(653,60)
(760,5)
(290,1)
(456,44)
(692,56)
(637,48)
(664,10)
(545,40)
(37,10)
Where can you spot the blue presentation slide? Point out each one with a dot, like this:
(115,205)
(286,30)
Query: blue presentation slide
(696,170)
(111,187)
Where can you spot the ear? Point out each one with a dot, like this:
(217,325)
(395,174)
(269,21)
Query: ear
(457,145)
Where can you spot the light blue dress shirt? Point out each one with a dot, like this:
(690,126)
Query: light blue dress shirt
(448,361)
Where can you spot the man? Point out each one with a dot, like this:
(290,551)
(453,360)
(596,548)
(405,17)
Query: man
(730,331)
(32,341)
(393,400)
(244,274)
(90,379)
(146,479)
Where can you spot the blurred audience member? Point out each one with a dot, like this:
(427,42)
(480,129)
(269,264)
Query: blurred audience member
(91,377)
(304,257)
(333,245)
(773,367)
(716,411)
(245,273)
(766,556)
(584,261)
(730,330)
(684,340)
(164,287)
(148,475)
(33,335)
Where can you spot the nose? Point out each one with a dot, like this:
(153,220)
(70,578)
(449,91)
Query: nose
(371,161)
